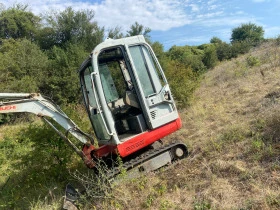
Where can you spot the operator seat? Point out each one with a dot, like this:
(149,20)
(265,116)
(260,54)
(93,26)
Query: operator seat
(130,99)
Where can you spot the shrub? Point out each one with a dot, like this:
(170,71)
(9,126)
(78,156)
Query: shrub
(22,66)
(250,33)
(223,51)
(239,47)
(277,40)
(210,57)
(252,61)
(265,139)
(183,82)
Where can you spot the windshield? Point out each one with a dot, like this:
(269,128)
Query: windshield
(147,69)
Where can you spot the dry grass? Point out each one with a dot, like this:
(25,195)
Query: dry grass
(232,130)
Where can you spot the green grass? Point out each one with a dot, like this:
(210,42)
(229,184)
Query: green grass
(34,168)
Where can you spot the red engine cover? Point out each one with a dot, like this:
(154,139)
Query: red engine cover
(147,138)
(138,142)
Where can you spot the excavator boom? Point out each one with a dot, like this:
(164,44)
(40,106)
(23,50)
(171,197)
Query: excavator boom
(43,107)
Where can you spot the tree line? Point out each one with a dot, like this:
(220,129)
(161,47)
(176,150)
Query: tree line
(42,54)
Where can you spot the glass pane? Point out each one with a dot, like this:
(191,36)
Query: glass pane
(98,126)
(142,70)
(154,70)
(95,117)
(89,91)
(108,84)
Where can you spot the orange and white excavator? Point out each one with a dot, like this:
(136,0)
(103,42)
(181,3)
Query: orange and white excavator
(128,102)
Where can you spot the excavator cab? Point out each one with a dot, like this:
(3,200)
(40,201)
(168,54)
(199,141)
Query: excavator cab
(125,90)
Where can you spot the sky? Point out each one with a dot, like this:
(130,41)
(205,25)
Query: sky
(173,22)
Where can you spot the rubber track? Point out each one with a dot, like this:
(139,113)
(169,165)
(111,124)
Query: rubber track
(142,158)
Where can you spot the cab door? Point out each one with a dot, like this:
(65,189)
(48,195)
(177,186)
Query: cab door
(93,107)
(152,87)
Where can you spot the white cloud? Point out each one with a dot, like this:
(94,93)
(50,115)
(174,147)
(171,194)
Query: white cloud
(195,7)
(259,1)
(159,15)
(228,21)
(156,14)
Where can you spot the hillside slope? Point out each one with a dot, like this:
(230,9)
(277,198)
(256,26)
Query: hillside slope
(232,129)
(233,132)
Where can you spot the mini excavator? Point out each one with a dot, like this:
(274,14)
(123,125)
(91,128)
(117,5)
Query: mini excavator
(128,102)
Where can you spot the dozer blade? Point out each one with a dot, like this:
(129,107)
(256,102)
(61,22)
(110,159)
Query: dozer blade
(71,195)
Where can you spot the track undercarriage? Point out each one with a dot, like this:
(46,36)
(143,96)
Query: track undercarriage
(151,159)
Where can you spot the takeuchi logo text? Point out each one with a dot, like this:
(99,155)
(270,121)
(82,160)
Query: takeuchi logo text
(7,108)
(135,146)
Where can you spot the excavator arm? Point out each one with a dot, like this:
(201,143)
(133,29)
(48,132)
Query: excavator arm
(43,107)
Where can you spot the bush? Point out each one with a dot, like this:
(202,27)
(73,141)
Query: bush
(277,40)
(265,139)
(22,66)
(252,61)
(210,56)
(241,47)
(223,51)
(183,82)
(250,33)
(188,56)
(33,163)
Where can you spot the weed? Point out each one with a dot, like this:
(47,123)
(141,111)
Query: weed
(249,204)
(156,191)
(32,163)
(273,200)
(241,72)
(265,138)
(234,134)
(94,185)
(140,183)
(252,61)
(165,205)
(230,136)
(150,200)
(202,205)
(271,131)
(160,189)
(44,204)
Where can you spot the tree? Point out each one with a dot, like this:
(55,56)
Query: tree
(250,33)
(76,27)
(138,29)
(182,79)
(61,81)
(22,66)
(224,51)
(215,40)
(189,56)
(210,58)
(115,33)
(17,22)
(158,50)
(46,38)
